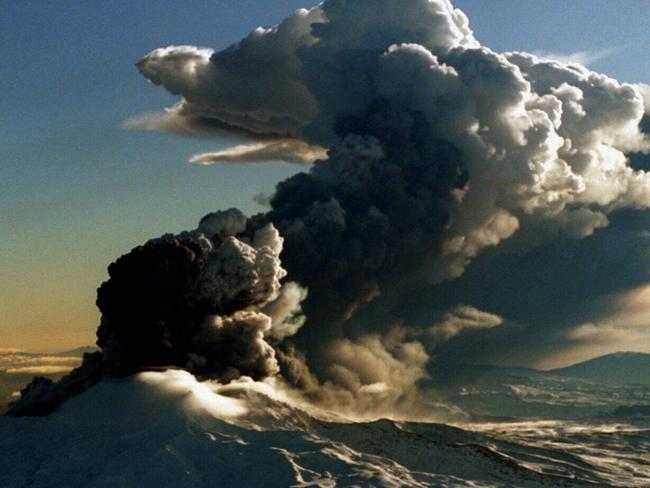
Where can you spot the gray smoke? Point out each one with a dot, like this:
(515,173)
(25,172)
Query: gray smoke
(438,148)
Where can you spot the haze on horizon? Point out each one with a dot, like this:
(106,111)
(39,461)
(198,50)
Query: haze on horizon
(82,189)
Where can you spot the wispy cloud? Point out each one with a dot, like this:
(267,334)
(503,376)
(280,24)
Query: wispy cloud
(39,370)
(288,150)
(11,350)
(461,318)
(585,58)
(14,361)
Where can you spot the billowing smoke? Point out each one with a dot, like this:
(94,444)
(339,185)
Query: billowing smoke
(205,300)
(437,148)
(460,319)
(198,301)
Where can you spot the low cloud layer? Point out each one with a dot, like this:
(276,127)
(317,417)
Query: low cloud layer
(17,361)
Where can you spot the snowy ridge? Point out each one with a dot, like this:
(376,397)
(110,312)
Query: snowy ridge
(501,392)
(165,429)
(615,368)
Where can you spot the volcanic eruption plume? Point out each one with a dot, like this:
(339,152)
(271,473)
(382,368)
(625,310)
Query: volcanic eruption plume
(426,148)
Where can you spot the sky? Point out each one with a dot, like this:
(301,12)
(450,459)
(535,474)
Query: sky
(78,189)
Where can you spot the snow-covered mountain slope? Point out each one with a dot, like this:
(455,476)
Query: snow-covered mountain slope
(615,368)
(165,429)
(491,391)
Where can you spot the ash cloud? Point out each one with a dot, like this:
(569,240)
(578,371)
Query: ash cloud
(440,153)
(459,319)
(196,301)
(543,142)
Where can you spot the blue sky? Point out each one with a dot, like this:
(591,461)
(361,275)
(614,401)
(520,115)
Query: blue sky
(77,190)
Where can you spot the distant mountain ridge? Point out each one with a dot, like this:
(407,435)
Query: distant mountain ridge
(78,351)
(612,385)
(615,368)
